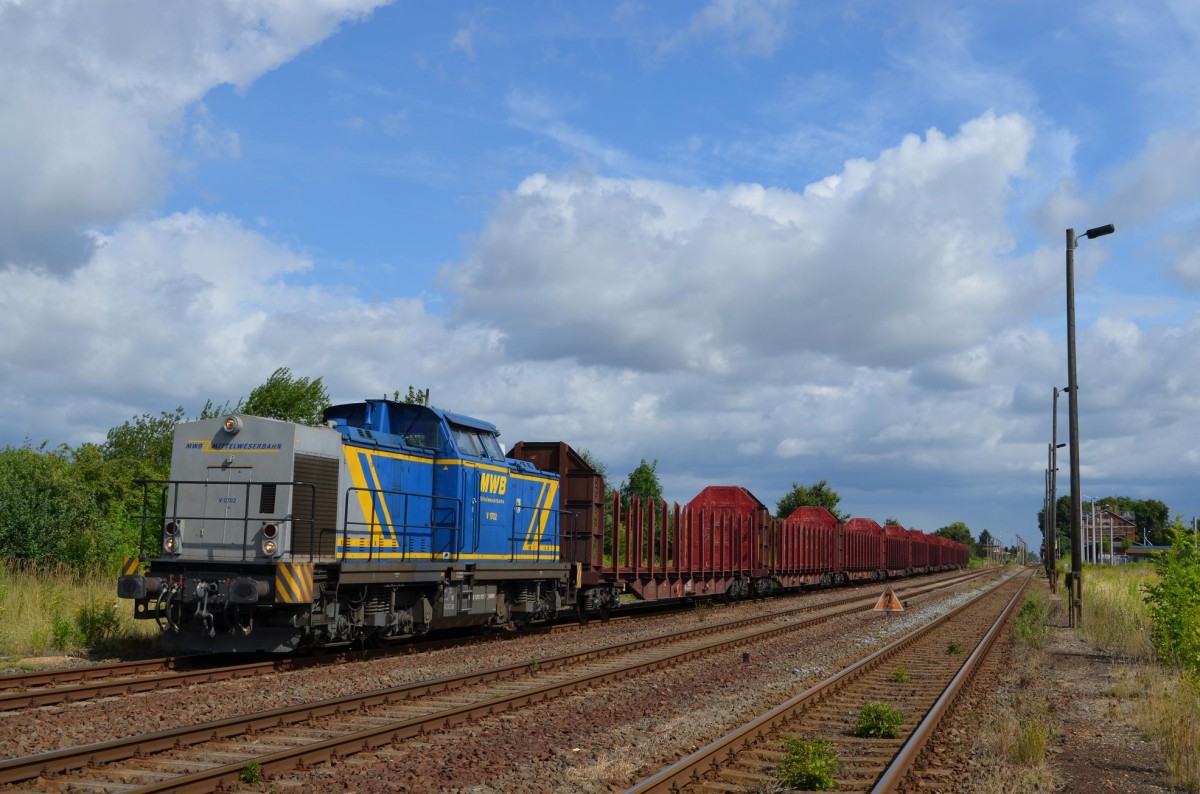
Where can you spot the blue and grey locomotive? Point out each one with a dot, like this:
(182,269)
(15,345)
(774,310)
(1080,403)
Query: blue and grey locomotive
(388,521)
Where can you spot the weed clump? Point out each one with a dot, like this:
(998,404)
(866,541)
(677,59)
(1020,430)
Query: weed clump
(878,720)
(1031,626)
(900,675)
(808,764)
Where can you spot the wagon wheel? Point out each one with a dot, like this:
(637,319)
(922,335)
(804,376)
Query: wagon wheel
(581,611)
(605,612)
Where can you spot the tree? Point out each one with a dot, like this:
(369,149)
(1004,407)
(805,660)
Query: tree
(985,540)
(643,483)
(816,495)
(288,397)
(414,396)
(960,532)
(892,522)
(146,438)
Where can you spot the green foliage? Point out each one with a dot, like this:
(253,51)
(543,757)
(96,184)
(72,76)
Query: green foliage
(414,396)
(61,632)
(288,397)
(643,483)
(97,622)
(900,675)
(251,773)
(878,720)
(147,439)
(52,511)
(960,532)
(1031,620)
(816,495)
(954,649)
(808,764)
(1175,599)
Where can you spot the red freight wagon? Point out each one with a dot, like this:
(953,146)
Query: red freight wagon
(805,552)
(938,552)
(719,533)
(920,550)
(862,549)
(897,550)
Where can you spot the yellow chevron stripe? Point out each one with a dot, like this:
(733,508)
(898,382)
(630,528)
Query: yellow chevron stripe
(294,583)
(129,566)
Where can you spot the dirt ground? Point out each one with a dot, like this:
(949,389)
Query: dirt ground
(1098,746)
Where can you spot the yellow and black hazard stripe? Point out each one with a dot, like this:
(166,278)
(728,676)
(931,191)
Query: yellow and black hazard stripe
(129,566)
(294,583)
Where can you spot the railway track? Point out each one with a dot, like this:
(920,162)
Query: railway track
(937,658)
(86,682)
(202,757)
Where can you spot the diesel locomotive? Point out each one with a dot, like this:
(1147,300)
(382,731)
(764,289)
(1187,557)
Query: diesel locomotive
(387,521)
(394,519)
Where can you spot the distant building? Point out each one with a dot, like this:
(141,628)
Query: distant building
(1111,524)
(1142,551)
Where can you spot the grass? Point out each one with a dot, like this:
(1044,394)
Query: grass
(1169,715)
(62,611)
(1167,700)
(1116,619)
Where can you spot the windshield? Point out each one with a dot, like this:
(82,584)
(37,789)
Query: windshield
(477,443)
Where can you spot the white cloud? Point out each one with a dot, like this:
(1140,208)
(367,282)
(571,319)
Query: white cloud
(748,27)
(92,88)
(889,262)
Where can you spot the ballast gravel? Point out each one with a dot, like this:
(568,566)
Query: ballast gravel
(605,737)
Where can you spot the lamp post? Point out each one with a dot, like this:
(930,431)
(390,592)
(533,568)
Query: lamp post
(1052,499)
(1075,584)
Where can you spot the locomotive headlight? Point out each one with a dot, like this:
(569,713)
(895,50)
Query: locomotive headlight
(269,546)
(232,424)
(171,544)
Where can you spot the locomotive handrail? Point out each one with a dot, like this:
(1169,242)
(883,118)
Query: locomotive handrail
(402,541)
(172,487)
(555,539)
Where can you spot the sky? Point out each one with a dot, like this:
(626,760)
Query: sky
(760,242)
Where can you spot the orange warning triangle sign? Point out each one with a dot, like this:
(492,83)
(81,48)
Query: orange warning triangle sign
(888,602)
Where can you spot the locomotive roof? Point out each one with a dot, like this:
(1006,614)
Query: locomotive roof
(350,411)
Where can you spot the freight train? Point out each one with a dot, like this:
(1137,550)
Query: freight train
(395,519)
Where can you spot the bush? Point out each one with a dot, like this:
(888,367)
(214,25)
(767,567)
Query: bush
(808,764)
(1031,620)
(878,720)
(62,632)
(1175,600)
(900,675)
(97,622)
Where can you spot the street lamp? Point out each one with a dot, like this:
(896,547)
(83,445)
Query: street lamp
(1051,517)
(1075,584)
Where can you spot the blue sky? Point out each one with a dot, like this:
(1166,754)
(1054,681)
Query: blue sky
(759,241)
